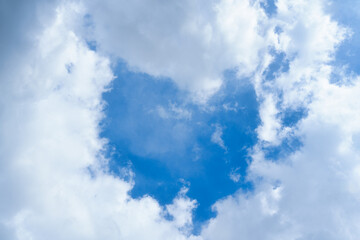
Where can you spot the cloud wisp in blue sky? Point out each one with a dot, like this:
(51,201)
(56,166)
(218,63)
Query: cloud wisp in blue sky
(191,120)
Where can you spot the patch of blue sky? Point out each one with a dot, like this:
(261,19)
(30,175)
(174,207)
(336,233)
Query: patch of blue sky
(91,45)
(269,6)
(87,28)
(279,64)
(168,140)
(291,117)
(288,146)
(347,14)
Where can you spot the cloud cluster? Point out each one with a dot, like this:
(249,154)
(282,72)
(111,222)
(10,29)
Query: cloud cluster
(54,179)
(191,42)
(313,192)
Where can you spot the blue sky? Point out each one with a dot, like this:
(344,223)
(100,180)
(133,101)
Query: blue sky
(168,153)
(181,120)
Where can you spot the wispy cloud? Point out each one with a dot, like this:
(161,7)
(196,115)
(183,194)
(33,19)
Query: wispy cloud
(216,137)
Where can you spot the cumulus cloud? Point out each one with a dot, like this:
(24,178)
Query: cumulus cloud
(312,193)
(268,130)
(54,179)
(191,42)
(181,210)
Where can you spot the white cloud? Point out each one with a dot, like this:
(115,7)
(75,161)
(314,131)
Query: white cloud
(314,192)
(232,107)
(268,130)
(216,137)
(192,42)
(50,142)
(234,175)
(173,111)
(181,210)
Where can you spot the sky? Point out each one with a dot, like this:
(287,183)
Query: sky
(181,120)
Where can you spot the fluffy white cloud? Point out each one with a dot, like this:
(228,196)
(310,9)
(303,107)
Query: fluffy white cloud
(181,210)
(268,111)
(308,37)
(314,192)
(53,179)
(191,42)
